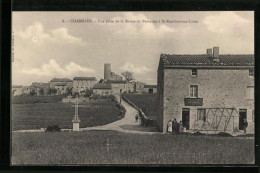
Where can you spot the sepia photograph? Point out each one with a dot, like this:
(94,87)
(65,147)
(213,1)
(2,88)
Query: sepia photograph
(132,88)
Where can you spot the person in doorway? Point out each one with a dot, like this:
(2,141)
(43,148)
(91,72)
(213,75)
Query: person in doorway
(174,126)
(245,126)
(136,118)
(169,126)
(180,127)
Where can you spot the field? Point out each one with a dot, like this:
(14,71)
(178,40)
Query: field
(42,114)
(110,147)
(148,103)
(36,99)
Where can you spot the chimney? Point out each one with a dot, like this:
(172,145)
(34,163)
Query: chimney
(209,52)
(215,52)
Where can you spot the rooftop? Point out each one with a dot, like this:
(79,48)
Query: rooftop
(117,81)
(61,80)
(206,60)
(85,78)
(102,86)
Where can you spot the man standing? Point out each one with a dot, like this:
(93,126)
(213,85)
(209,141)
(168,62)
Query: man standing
(245,126)
(174,126)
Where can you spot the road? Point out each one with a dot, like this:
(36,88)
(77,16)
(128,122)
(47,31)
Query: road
(126,124)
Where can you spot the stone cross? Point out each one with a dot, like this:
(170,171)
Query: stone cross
(76,119)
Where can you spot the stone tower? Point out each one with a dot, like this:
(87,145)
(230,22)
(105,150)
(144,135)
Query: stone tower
(107,71)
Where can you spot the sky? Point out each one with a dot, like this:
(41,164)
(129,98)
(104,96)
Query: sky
(50,45)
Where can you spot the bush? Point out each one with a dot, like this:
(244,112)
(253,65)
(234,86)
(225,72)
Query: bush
(53,128)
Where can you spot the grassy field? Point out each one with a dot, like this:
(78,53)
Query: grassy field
(40,115)
(109,147)
(36,99)
(148,103)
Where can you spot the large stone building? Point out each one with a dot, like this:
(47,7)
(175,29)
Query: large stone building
(82,83)
(61,84)
(55,81)
(207,92)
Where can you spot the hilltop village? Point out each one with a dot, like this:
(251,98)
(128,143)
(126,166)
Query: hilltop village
(111,84)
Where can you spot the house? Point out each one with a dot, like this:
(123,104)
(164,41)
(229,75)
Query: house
(82,83)
(55,81)
(61,88)
(139,87)
(102,89)
(206,92)
(118,87)
(150,89)
(17,90)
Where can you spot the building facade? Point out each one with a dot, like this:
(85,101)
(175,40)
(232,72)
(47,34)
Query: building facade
(102,89)
(82,83)
(55,81)
(118,87)
(206,92)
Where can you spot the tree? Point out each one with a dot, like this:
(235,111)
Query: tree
(88,92)
(128,76)
(101,81)
(41,91)
(52,91)
(69,91)
(32,93)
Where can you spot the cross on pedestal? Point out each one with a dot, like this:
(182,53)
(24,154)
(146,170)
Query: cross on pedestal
(76,119)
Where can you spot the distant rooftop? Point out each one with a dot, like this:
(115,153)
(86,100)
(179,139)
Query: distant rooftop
(204,59)
(85,78)
(61,80)
(102,86)
(117,81)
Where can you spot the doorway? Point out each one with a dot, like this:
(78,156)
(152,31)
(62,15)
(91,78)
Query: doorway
(150,90)
(242,116)
(186,118)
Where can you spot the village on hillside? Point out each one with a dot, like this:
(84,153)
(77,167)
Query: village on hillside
(111,84)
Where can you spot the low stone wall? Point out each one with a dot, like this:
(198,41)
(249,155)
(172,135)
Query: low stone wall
(145,121)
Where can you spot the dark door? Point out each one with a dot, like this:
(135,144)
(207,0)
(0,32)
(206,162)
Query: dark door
(186,118)
(242,117)
(150,90)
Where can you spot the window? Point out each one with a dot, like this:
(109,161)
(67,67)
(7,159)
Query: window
(194,72)
(251,72)
(201,114)
(250,92)
(194,91)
